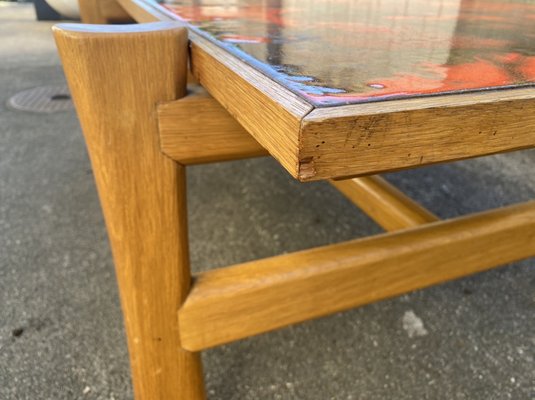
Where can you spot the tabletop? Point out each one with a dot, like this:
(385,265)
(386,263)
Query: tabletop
(335,88)
(333,52)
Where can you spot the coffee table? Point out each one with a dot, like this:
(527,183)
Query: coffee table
(333,90)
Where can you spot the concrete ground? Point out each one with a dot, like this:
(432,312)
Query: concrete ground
(61,332)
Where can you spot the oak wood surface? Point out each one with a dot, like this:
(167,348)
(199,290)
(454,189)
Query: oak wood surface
(142,192)
(232,303)
(269,112)
(384,203)
(393,135)
(116,75)
(196,129)
(360,139)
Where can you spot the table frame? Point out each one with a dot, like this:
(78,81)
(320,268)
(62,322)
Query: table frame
(359,139)
(129,87)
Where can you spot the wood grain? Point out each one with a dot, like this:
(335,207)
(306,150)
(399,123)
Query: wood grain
(372,138)
(116,75)
(384,203)
(196,129)
(269,112)
(236,302)
(360,139)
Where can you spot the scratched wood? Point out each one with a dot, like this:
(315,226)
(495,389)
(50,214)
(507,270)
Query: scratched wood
(361,139)
(378,137)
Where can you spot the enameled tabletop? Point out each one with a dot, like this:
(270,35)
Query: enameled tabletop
(334,52)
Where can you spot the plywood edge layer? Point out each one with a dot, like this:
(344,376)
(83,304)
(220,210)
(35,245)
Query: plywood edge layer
(236,302)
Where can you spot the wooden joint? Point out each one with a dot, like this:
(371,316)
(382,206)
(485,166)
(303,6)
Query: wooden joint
(197,129)
(232,303)
(116,75)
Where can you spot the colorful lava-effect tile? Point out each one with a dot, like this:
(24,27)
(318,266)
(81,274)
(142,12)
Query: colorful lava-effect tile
(334,52)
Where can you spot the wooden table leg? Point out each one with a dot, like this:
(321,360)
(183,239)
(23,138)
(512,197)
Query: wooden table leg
(102,12)
(116,76)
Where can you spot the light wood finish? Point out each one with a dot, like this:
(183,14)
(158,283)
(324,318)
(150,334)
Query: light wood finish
(142,11)
(243,300)
(269,112)
(146,11)
(116,75)
(102,12)
(196,129)
(392,135)
(361,139)
(384,203)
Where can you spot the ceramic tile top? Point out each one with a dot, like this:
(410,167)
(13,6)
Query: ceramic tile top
(335,52)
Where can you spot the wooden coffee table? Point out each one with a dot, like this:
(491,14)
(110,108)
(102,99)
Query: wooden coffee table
(333,90)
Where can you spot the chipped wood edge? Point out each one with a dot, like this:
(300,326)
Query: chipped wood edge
(374,138)
(115,71)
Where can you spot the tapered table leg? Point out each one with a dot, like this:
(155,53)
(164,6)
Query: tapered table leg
(116,76)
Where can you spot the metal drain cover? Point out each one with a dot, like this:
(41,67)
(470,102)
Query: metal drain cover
(44,99)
